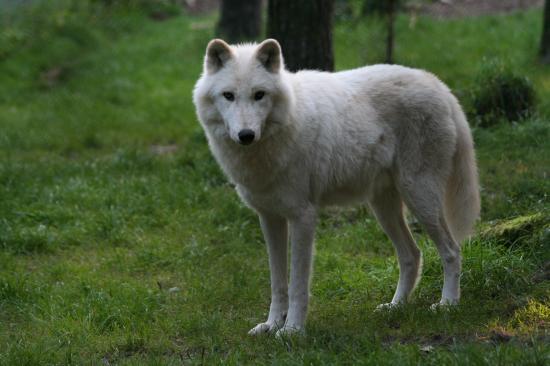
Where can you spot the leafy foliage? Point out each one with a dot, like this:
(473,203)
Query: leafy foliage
(501,93)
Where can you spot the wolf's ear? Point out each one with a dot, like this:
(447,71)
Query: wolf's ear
(217,54)
(270,56)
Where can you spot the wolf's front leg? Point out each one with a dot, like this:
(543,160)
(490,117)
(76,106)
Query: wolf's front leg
(275,233)
(302,231)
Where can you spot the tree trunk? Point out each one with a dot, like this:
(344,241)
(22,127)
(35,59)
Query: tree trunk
(390,36)
(240,20)
(545,39)
(304,30)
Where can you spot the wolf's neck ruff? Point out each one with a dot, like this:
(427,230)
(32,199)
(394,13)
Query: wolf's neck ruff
(256,166)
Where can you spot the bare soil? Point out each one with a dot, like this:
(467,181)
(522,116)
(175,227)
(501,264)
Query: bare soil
(200,6)
(438,9)
(468,8)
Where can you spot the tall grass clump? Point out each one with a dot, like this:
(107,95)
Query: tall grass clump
(501,94)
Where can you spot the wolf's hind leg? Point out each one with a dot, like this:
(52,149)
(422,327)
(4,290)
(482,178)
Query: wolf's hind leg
(388,209)
(275,230)
(425,199)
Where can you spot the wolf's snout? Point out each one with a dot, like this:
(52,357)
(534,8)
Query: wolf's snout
(246,136)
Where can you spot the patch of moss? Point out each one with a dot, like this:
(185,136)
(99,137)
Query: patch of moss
(524,230)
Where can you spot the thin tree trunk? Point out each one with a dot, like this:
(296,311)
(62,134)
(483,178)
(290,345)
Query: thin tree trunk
(240,20)
(545,39)
(304,30)
(390,36)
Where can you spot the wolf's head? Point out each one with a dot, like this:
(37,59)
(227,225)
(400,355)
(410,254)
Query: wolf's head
(242,94)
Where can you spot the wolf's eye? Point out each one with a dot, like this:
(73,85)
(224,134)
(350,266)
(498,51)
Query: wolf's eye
(259,95)
(229,96)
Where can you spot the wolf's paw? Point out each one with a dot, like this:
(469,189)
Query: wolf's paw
(387,306)
(444,305)
(263,328)
(289,330)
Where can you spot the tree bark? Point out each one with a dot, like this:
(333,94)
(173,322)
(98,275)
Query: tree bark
(304,30)
(545,39)
(390,35)
(240,20)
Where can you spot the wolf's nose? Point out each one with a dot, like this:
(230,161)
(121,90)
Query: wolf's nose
(246,136)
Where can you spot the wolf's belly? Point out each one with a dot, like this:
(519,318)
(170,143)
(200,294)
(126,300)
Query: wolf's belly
(344,196)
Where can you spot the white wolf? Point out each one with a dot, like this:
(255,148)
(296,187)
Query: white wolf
(294,142)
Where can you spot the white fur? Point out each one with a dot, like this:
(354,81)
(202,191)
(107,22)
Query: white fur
(386,135)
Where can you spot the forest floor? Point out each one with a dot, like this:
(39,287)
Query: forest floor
(438,9)
(469,8)
(121,242)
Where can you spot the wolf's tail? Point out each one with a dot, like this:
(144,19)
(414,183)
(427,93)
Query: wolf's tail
(462,204)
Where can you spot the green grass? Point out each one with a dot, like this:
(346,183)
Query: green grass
(111,253)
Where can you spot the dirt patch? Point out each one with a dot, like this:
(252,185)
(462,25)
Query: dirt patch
(201,6)
(470,8)
(438,9)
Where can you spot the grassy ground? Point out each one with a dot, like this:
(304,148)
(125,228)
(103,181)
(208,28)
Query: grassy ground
(122,243)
